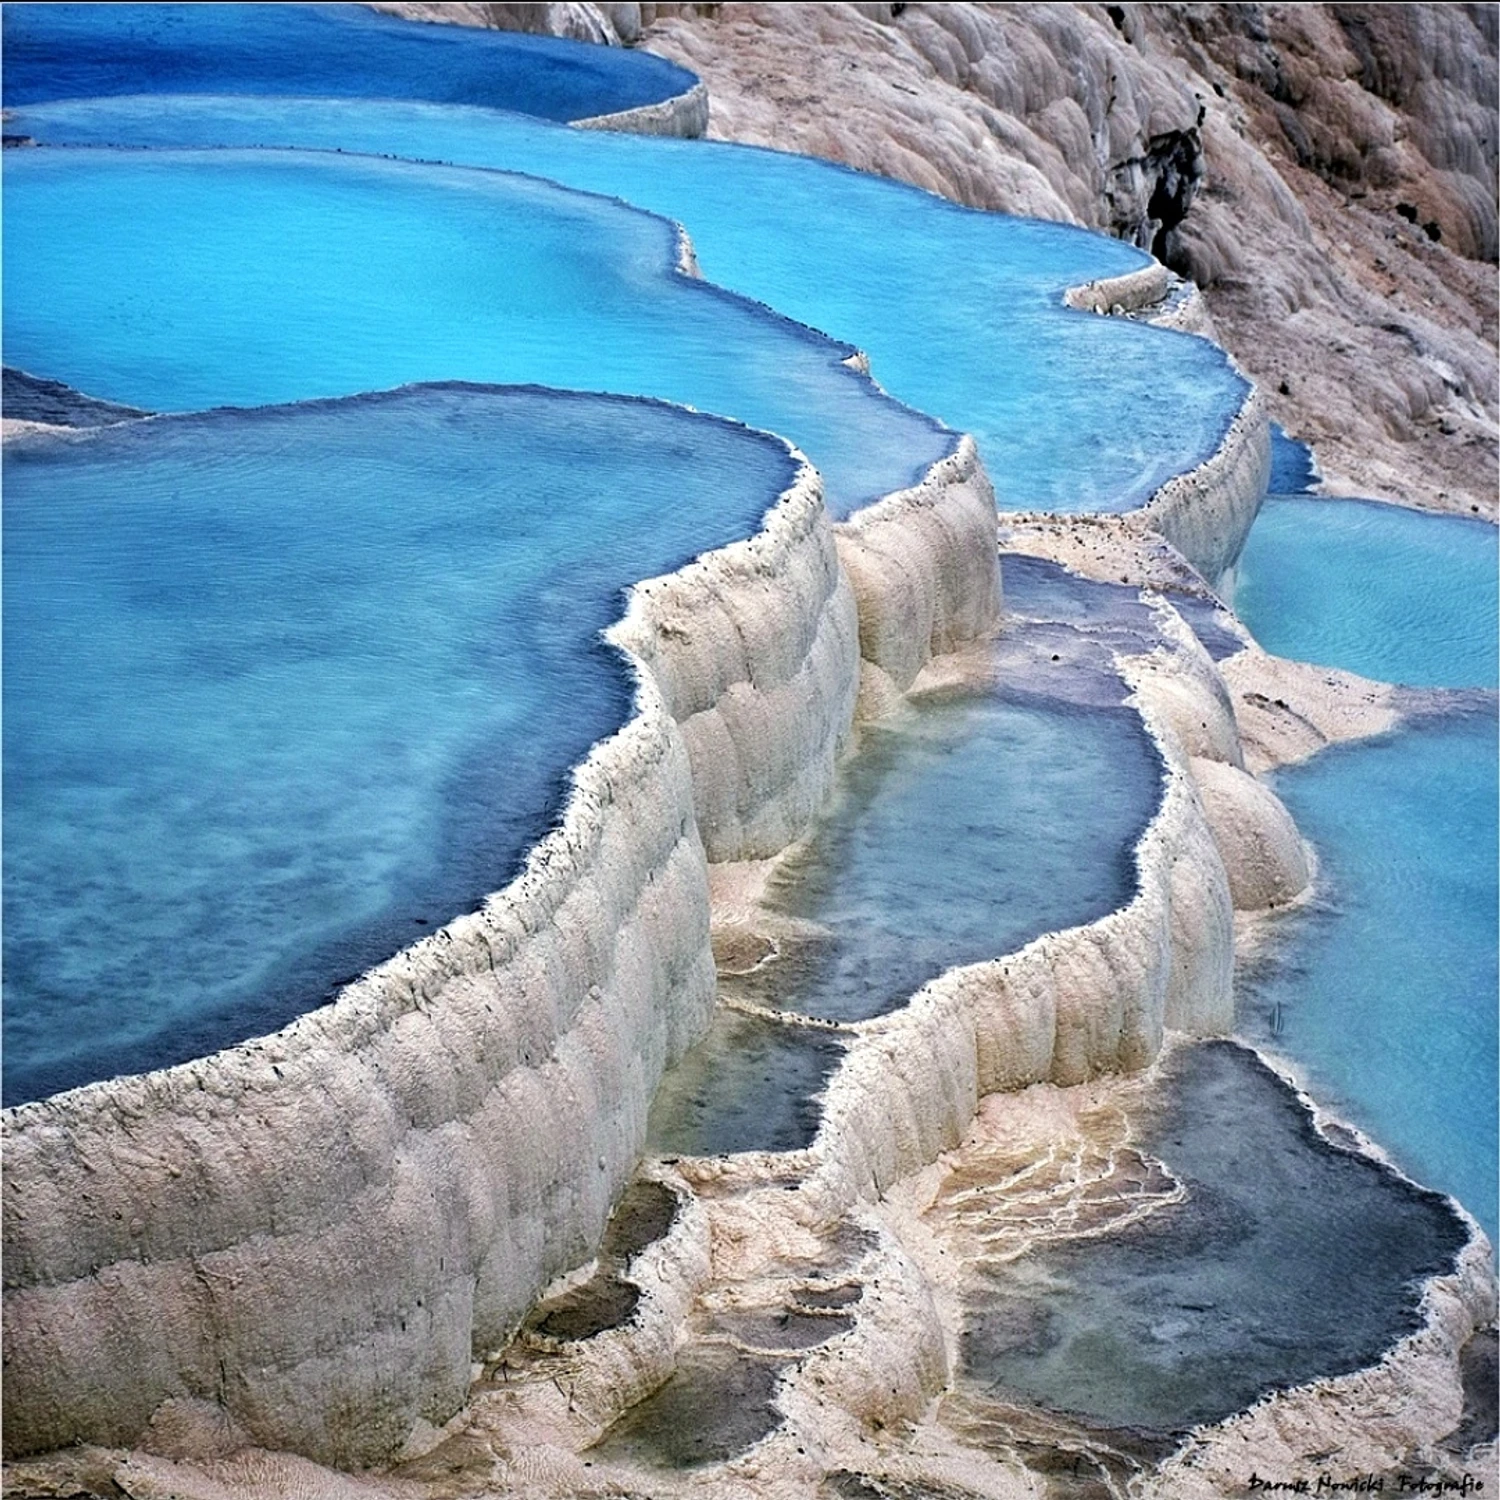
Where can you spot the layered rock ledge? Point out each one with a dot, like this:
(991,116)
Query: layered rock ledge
(180,1235)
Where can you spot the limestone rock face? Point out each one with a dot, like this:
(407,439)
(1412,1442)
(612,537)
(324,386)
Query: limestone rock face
(1327,173)
(1262,850)
(610,25)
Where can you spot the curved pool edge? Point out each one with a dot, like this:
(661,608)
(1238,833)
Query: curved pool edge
(678,266)
(1066,1007)
(684,116)
(1206,512)
(298,1287)
(1392,1414)
(1070,1006)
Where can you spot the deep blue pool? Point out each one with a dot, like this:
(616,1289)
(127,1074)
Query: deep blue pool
(959,311)
(285,689)
(337,51)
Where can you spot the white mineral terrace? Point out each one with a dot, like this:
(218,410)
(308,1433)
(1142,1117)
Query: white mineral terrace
(188,1264)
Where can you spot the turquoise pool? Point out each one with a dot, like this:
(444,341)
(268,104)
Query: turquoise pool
(959,311)
(175,281)
(1376,589)
(285,688)
(1384,990)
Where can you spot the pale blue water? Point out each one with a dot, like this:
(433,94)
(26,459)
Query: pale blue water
(1385,991)
(283,689)
(962,831)
(342,51)
(1376,589)
(179,281)
(960,311)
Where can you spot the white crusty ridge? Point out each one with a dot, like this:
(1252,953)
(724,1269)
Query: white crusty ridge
(189,1234)
(925,571)
(684,114)
(316,1229)
(1068,1006)
(1207,513)
(755,649)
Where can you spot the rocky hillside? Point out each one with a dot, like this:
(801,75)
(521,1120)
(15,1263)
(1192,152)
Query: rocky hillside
(1326,173)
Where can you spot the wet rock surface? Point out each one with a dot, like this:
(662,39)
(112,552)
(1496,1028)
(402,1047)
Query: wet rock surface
(32,398)
(607,1299)
(718,1404)
(751,1084)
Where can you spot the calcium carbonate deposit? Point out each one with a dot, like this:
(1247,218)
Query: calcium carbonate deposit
(636,815)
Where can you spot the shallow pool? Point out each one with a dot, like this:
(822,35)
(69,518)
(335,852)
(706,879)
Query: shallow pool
(1376,589)
(1039,804)
(1384,991)
(959,311)
(1285,1258)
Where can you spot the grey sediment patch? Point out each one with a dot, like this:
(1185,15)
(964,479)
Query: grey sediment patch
(1286,1259)
(644,1215)
(1206,619)
(1479,1367)
(1037,588)
(751,1084)
(718,1403)
(1418,704)
(604,1301)
(784,1331)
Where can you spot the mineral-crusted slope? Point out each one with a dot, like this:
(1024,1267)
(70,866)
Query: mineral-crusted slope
(189,1234)
(1327,174)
